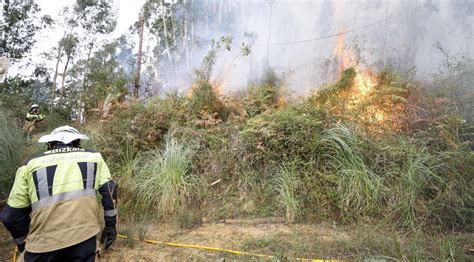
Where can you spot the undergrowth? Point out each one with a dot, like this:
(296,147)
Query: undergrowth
(11,145)
(164,182)
(301,159)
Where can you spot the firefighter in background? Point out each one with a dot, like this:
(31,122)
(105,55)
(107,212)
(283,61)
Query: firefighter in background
(52,212)
(32,118)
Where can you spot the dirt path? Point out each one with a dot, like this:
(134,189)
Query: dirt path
(243,235)
(276,239)
(272,239)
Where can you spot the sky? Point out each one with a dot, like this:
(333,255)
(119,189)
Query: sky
(127,11)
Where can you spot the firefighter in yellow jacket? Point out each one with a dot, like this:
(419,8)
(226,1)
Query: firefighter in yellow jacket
(32,118)
(52,212)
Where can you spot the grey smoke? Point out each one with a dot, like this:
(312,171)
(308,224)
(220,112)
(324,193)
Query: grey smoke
(403,39)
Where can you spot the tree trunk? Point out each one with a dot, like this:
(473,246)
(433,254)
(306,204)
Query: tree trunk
(55,77)
(186,42)
(220,15)
(64,77)
(207,18)
(139,59)
(242,23)
(86,67)
(82,116)
(269,29)
(165,28)
(173,28)
(192,27)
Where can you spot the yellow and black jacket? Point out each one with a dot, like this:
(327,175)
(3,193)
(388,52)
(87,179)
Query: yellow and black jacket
(30,117)
(53,203)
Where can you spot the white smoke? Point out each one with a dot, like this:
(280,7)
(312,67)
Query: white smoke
(299,39)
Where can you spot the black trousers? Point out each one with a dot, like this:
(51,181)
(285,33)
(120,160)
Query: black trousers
(83,252)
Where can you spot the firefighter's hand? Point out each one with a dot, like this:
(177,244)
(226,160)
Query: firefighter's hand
(108,236)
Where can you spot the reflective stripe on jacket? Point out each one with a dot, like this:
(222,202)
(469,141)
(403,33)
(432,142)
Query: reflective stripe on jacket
(59,189)
(34,117)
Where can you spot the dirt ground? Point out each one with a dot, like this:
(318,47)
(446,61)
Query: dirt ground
(243,235)
(283,241)
(240,235)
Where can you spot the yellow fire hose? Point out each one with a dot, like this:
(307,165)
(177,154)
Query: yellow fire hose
(15,251)
(235,252)
(208,248)
(230,251)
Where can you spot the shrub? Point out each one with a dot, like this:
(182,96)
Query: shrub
(265,95)
(377,102)
(287,184)
(359,188)
(164,182)
(205,101)
(290,133)
(418,180)
(330,94)
(11,145)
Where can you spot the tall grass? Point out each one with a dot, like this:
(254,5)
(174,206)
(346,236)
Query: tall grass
(287,183)
(165,182)
(418,181)
(359,187)
(11,144)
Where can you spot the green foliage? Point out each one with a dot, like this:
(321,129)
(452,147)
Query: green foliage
(164,183)
(340,170)
(58,117)
(359,187)
(69,44)
(293,132)
(105,75)
(152,121)
(418,181)
(111,137)
(329,93)
(17,28)
(287,185)
(11,145)
(204,101)
(453,83)
(17,91)
(263,96)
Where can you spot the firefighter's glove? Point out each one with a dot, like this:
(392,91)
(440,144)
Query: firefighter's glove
(108,236)
(21,247)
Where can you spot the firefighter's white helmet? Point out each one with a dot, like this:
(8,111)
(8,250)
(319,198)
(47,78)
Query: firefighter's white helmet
(65,134)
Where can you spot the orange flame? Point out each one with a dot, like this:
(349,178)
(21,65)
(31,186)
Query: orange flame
(364,83)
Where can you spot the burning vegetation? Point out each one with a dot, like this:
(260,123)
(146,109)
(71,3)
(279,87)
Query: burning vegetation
(377,101)
(370,145)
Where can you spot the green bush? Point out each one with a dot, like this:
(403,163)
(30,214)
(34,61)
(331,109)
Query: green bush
(263,96)
(329,94)
(287,134)
(359,188)
(417,181)
(205,101)
(164,183)
(340,169)
(287,184)
(11,146)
